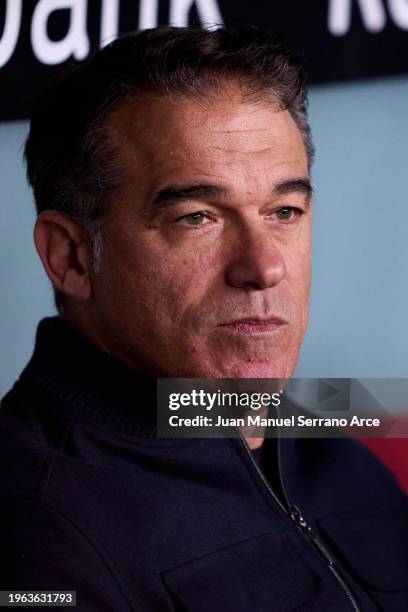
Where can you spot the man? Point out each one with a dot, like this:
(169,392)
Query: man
(171,178)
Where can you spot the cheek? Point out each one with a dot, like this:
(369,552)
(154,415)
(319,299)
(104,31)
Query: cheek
(298,280)
(182,276)
(298,266)
(158,282)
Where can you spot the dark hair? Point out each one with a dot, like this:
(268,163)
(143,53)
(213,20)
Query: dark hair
(71,163)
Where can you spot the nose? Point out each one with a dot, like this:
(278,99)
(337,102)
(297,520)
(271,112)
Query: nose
(257,262)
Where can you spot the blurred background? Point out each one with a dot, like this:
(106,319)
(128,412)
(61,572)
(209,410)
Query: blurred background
(357,60)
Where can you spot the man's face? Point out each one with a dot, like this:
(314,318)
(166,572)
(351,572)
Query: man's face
(206,260)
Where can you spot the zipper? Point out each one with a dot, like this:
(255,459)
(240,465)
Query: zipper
(296,516)
(306,529)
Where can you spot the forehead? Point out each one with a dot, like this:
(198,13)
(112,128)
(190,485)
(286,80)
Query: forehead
(158,138)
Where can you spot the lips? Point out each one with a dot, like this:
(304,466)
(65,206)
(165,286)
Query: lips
(253,325)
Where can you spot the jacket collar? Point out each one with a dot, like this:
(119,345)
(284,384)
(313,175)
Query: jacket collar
(68,368)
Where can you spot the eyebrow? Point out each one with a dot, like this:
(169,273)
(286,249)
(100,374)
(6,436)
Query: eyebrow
(178,194)
(297,185)
(173,195)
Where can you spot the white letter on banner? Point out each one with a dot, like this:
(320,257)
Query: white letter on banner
(75,42)
(339,16)
(208,11)
(148,14)
(109,21)
(11,30)
(399,13)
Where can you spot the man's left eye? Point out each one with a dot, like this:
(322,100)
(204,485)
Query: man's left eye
(194,219)
(288,213)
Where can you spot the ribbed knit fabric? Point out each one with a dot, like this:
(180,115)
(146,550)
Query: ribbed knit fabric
(67,367)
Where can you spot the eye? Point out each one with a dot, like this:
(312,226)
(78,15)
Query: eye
(288,214)
(194,219)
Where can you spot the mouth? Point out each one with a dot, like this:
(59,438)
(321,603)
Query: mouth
(253,325)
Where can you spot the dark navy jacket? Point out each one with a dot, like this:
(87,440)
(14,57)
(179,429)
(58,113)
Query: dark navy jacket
(92,501)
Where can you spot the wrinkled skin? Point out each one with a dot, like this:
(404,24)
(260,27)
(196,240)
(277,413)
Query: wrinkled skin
(168,282)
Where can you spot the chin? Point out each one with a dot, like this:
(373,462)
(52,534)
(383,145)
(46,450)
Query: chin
(243,369)
(259,369)
(222,362)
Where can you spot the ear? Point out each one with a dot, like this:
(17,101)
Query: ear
(63,248)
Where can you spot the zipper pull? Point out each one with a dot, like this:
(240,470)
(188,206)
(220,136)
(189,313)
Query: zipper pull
(301,523)
(299,520)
